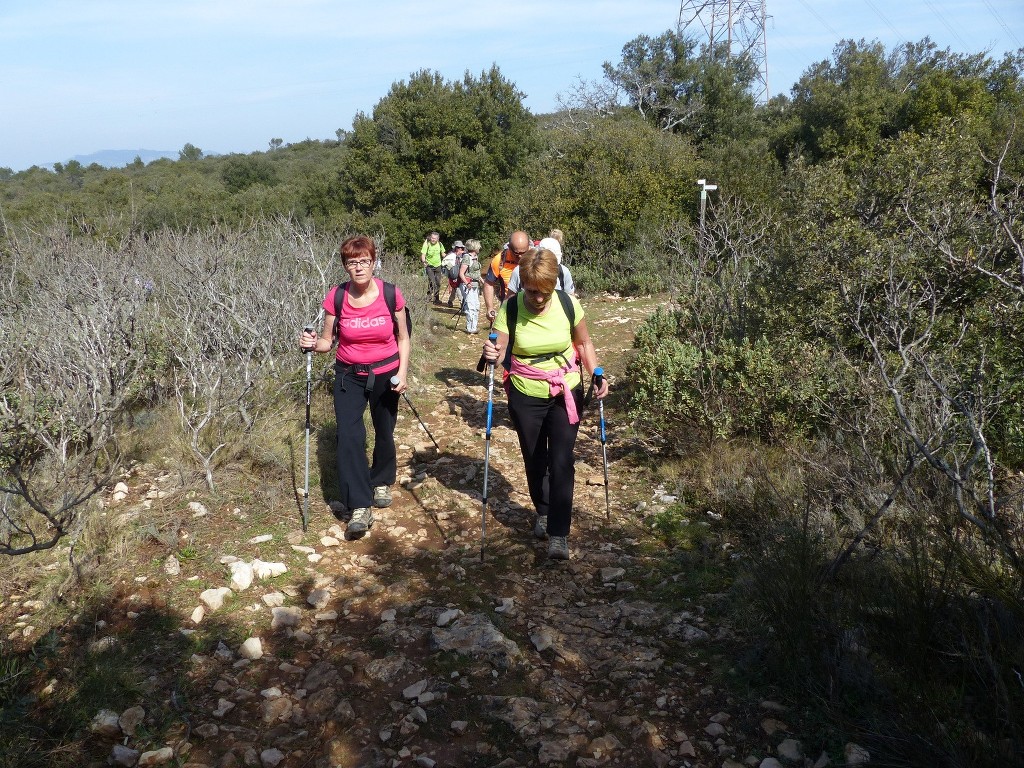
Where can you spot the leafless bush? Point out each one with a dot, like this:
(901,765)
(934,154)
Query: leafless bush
(71,354)
(235,301)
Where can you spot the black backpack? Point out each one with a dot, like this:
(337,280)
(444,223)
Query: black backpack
(512,314)
(389,298)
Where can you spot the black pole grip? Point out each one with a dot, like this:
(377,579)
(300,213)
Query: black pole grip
(307,329)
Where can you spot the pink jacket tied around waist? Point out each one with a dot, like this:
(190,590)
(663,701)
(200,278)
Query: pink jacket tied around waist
(555,380)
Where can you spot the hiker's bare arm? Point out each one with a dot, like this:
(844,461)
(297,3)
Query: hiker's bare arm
(489,300)
(404,349)
(588,355)
(308,340)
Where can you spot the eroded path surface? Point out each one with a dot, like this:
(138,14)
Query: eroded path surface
(405,648)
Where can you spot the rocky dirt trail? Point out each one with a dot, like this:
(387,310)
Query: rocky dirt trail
(404,648)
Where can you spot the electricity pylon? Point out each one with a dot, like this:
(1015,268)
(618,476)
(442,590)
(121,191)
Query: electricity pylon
(739,25)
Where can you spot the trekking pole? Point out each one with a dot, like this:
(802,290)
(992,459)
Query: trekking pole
(309,393)
(598,381)
(394,383)
(493,337)
(462,307)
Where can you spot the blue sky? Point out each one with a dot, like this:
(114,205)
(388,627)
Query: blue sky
(78,76)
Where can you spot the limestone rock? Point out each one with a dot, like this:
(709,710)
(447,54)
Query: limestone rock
(160,756)
(475,635)
(790,750)
(271,758)
(285,617)
(251,649)
(214,599)
(105,723)
(856,754)
(130,720)
(241,576)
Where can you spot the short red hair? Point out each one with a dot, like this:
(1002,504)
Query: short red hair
(357,246)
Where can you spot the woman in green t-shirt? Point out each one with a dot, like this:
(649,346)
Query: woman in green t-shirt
(545,391)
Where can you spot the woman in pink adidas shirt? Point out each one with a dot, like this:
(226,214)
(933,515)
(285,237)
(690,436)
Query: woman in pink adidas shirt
(373,347)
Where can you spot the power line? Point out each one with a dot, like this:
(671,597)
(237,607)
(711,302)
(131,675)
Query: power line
(886,20)
(823,23)
(1002,23)
(946,24)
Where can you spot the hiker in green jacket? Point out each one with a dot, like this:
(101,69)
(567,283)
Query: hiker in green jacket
(431,254)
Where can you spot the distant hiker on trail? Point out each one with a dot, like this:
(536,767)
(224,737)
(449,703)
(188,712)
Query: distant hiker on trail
(545,390)
(500,270)
(431,254)
(564,282)
(469,284)
(368,318)
(450,269)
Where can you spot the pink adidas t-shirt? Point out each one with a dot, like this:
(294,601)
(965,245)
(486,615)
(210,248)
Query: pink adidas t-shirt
(365,334)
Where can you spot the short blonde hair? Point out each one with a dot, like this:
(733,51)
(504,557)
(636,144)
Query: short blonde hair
(538,269)
(473,246)
(557,234)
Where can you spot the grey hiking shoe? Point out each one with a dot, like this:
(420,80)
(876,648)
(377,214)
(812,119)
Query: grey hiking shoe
(362,519)
(540,528)
(558,548)
(382,496)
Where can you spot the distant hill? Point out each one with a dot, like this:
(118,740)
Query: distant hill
(118,158)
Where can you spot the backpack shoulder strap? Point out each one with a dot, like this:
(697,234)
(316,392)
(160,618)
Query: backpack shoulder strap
(511,315)
(391,299)
(567,307)
(561,279)
(339,304)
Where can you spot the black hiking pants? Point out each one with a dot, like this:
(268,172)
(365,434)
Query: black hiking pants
(547,441)
(356,477)
(434,275)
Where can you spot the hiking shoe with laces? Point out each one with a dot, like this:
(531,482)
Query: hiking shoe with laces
(558,548)
(540,528)
(362,519)
(382,496)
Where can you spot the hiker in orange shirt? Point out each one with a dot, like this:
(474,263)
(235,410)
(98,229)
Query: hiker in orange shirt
(500,270)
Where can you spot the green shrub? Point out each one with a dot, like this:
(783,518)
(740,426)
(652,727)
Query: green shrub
(765,389)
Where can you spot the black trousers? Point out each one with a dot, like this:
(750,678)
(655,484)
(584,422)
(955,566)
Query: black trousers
(356,477)
(547,441)
(434,275)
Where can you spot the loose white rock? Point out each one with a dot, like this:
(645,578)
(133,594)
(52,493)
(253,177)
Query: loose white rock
(241,576)
(262,570)
(156,757)
(214,598)
(105,723)
(285,617)
(251,649)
